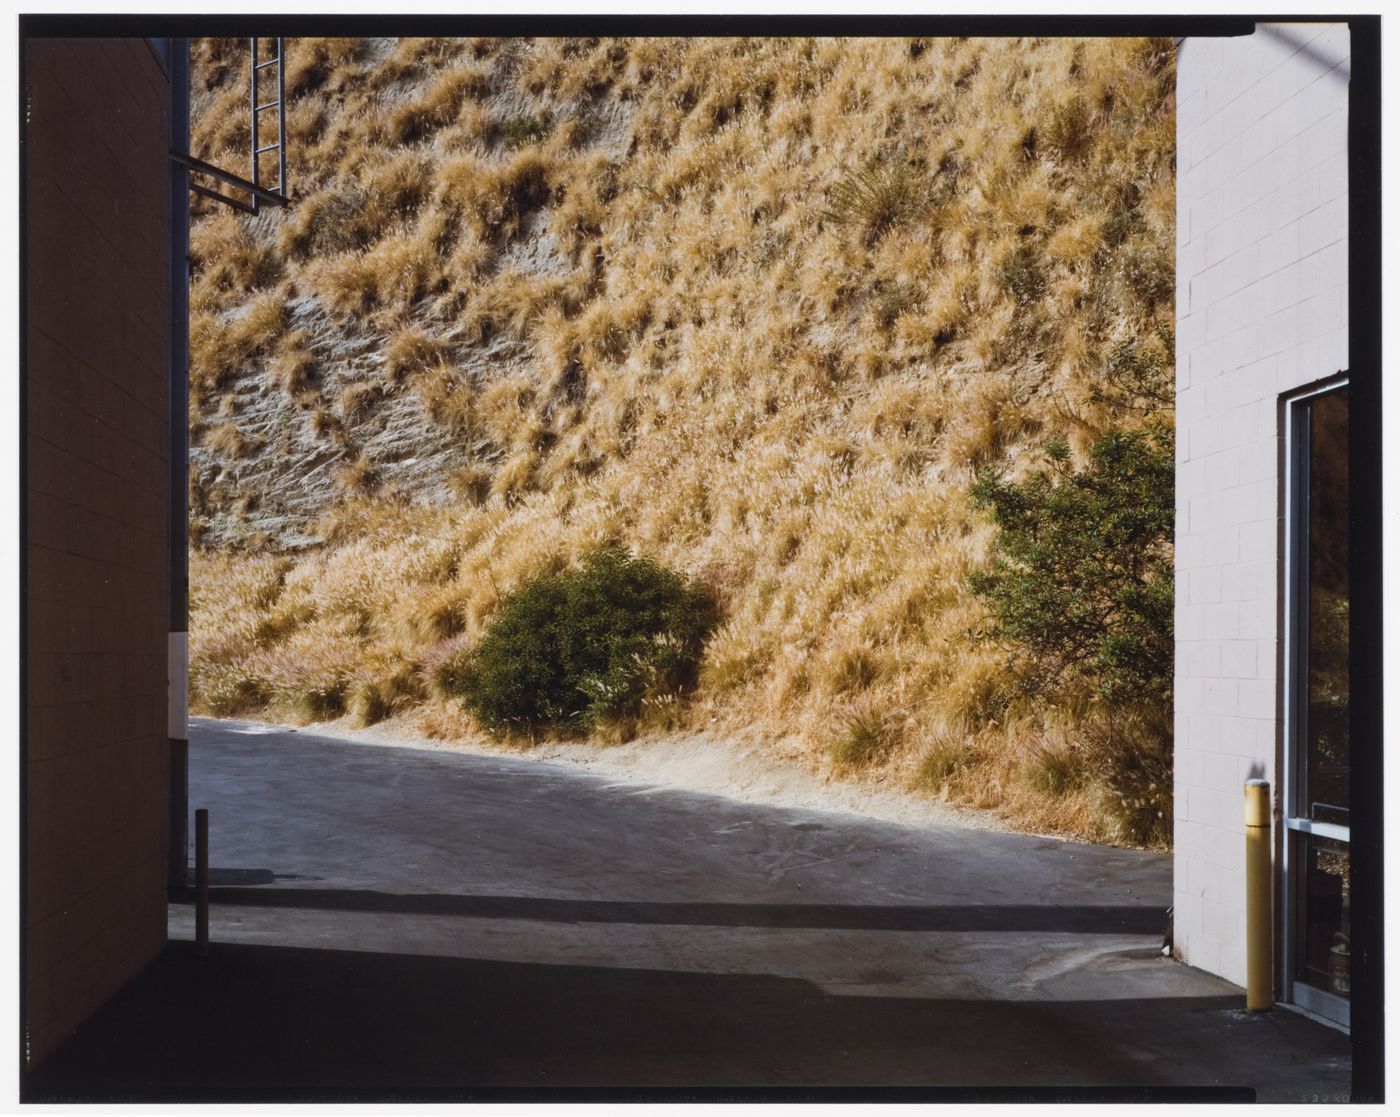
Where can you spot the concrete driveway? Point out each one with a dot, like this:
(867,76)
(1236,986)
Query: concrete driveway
(416,920)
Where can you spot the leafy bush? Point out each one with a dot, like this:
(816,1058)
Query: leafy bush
(1081,577)
(1081,585)
(1140,376)
(568,650)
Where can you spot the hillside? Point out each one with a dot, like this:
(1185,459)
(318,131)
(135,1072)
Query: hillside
(759,309)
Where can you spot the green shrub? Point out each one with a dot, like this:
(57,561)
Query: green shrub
(1080,582)
(567,651)
(1139,375)
(523,128)
(1080,585)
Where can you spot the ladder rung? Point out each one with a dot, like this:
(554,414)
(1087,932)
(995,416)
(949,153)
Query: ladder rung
(269,105)
(269,62)
(234,202)
(269,147)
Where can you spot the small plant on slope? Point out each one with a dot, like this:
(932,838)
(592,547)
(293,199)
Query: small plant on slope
(875,196)
(868,737)
(523,128)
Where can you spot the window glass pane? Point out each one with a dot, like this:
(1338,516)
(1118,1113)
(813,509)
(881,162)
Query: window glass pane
(1326,782)
(1324,923)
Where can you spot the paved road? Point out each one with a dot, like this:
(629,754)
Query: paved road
(388,917)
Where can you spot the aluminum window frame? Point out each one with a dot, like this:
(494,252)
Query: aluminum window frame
(1328,1007)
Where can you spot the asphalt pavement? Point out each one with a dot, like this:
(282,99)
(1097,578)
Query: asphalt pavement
(427,924)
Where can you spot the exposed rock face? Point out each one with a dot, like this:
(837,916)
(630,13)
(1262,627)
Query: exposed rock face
(269,485)
(285,476)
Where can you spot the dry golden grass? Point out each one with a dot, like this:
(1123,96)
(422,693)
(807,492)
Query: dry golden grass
(227,440)
(409,353)
(292,366)
(769,305)
(357,476)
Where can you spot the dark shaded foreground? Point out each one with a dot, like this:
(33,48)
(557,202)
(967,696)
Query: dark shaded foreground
(402,923)
(257,1023)
(1083,919)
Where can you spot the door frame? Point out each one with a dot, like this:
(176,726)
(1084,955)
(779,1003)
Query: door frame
(1330,1007)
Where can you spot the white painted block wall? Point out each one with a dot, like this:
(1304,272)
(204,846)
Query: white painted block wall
(1261,310)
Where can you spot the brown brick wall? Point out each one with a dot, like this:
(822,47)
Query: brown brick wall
(96,503)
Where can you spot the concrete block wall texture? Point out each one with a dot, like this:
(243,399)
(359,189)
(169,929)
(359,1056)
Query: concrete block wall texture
(1261,310)
(96,497)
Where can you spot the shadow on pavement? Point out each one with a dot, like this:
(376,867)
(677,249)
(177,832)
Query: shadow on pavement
(255,1023)
(1083,919)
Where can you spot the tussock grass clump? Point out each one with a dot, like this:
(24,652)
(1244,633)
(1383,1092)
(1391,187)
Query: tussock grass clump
(875,197)
(410,351)
(439,106)
(1067,130)
(381,687)
(892,302)
(760,309)
(357,476)
(1056,768)
(867,736)
(227,441)
(942,763)
(1130,750)
(356,399)
(293,367)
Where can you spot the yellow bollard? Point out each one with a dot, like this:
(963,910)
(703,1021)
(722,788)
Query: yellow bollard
(1258,884)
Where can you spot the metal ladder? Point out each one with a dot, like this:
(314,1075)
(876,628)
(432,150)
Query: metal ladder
(257,192)
(280,104)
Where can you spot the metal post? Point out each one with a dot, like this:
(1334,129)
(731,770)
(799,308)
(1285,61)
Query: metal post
(177,643)
(253,111)
(281,119)
(1259,909)
(201,881)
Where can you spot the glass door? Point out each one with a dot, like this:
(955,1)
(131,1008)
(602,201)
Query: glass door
(1317,769)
